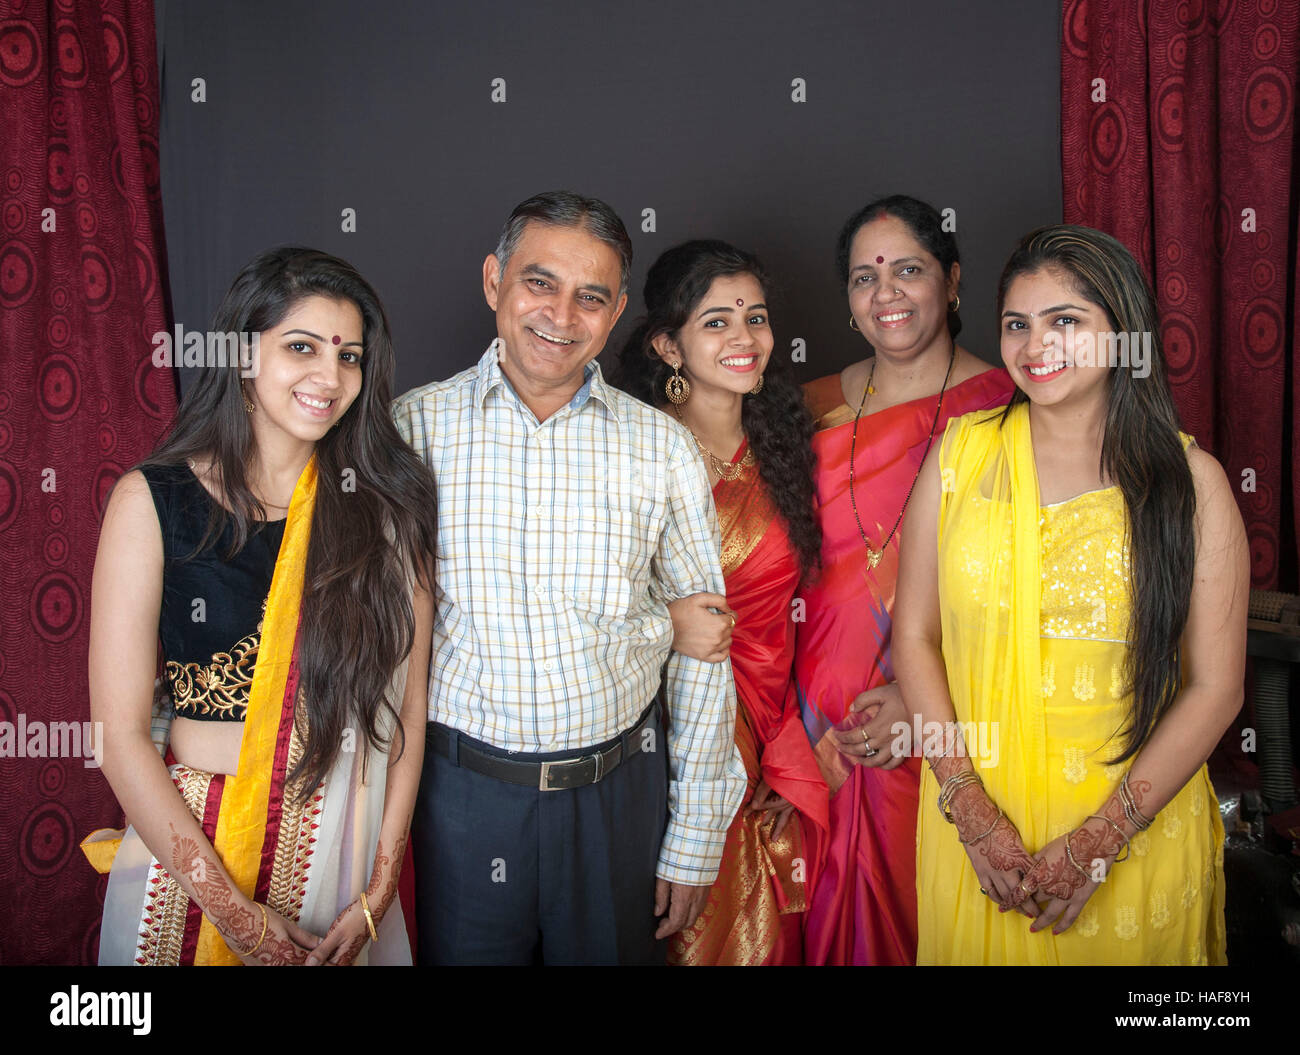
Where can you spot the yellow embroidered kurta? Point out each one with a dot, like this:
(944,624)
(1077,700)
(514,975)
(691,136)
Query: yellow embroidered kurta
(1035,618)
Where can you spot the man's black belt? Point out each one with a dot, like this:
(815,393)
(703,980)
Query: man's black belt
(558,775)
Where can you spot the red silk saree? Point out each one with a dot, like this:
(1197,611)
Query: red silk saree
(862,906)
(755,909)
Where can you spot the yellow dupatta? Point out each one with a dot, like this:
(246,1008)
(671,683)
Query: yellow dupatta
(988,541)
(241,836)
(245,800)
(1049,701)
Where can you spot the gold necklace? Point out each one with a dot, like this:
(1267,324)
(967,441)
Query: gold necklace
(874,556)
(728,471)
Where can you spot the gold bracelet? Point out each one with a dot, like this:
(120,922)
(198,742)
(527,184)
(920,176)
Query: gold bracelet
(953,785)
(1118,831)
(1070,855)
(263,937)
(972,842)
(370,920)
(1135,816)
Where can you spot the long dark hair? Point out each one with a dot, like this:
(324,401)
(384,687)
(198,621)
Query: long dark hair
(778,425)
(366,540)
(926,225)
(1141,451)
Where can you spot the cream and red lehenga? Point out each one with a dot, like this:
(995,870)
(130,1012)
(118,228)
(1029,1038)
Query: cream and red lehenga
(307,860)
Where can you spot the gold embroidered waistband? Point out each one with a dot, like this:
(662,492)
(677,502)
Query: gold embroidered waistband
(218,689)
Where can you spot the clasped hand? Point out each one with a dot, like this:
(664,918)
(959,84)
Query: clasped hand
(1046,886)
(346,937)
(871,742)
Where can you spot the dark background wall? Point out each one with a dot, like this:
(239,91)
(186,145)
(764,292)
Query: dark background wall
(686,108)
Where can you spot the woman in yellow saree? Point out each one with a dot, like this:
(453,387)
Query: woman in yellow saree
(277,544)
(1071,639)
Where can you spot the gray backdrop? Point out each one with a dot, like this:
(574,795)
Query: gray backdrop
(686,108)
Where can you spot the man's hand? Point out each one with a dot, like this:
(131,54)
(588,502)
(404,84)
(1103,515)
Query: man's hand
(683,905)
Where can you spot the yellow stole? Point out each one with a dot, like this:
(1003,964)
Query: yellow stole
(242,817)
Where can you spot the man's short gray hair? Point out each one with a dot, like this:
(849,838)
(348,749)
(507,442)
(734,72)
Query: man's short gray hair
(561,208)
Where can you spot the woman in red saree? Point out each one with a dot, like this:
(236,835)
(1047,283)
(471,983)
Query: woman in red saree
(704,355)
(876,420)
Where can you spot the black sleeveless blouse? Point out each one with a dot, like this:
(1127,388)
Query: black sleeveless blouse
(212,608)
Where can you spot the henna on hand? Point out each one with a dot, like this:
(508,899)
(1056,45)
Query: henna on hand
(981,826)
(1055,876)
(348,952)
(383,880)
(280,952)
(1004,849)
(240,926)
(207,880)
(997,840)
(954,758)
(1094,840)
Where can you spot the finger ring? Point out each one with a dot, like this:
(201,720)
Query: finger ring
(984,892)
(865,738)
(733,622)
(870,752)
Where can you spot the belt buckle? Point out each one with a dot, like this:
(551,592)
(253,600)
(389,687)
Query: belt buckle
(544,782)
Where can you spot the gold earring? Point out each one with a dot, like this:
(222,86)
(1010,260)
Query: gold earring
(677,388)
(956,303)
(853,324)
(758,387)
(248,403)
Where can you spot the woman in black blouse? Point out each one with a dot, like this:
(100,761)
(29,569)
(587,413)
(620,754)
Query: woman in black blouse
(279,543)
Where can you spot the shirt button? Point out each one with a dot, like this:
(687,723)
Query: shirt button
(548,666)
(540,591)
(539,511)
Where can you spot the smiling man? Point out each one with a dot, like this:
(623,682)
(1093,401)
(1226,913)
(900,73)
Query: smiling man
(559,813)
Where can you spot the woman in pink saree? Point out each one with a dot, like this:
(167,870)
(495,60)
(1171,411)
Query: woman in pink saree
(876,421)
(704,355)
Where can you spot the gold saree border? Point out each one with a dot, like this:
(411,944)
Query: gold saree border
(745,510)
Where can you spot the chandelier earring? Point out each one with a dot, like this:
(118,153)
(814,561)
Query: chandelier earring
(677,388)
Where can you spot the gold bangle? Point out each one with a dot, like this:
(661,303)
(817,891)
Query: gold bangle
(953,785)
(370,920)
(1069,853)
(1118,831)
(985,835)
(1135,816)
(263,937)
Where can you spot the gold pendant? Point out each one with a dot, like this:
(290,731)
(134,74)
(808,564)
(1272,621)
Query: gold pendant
(873,557)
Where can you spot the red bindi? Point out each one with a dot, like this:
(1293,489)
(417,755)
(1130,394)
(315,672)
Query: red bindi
(337,339)
(739,303)
(880,260)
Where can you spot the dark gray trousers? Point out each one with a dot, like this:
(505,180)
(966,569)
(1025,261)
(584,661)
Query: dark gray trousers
(512,875)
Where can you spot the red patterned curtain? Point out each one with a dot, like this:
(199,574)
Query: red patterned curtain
(1178,137)
(82,289)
